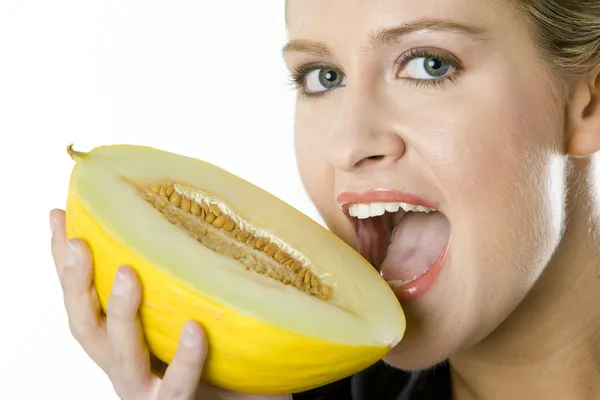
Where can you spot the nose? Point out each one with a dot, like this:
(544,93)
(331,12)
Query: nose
(363,135)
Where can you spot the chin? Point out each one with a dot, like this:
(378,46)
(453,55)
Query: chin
(416,353)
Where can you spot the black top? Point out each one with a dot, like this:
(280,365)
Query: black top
(381,382)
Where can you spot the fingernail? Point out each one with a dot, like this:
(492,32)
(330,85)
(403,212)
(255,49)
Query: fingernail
(121,282)
(71,254)
(52,223)
(189,336)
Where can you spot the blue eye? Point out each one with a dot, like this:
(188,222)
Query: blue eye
(322,79)
(427,68)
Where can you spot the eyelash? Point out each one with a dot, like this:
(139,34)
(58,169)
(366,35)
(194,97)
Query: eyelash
(298,75)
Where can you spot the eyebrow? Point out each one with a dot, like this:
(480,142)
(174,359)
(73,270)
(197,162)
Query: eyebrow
(387,36)
(307,46)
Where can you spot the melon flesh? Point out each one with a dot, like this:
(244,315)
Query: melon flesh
(264,336)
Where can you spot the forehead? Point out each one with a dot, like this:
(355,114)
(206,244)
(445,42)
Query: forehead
(350,20)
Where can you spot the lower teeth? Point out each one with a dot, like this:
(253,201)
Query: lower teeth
(395,284)
(398,283)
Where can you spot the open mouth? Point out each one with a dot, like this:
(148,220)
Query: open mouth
(401,239)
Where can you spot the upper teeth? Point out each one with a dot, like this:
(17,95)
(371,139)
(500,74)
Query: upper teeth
(363,211)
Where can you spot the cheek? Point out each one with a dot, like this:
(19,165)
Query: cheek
(316,173)
(505,182)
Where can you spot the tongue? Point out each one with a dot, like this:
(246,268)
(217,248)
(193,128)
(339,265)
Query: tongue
(417,242)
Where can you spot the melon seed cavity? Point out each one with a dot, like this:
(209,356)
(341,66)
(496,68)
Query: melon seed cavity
(215,226)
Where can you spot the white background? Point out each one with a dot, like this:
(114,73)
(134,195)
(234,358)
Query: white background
(200,78)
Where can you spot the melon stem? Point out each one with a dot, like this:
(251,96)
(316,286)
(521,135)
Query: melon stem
(74,154)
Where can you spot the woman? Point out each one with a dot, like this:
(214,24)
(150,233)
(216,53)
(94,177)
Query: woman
(488,112)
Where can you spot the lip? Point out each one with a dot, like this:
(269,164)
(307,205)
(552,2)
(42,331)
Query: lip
(421,285)
(347,198)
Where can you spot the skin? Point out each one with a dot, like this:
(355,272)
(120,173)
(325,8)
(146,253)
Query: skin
(506,149)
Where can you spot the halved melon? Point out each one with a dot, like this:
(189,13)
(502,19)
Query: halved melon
(287,305)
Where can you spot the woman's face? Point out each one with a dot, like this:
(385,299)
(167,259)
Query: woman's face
(446,104)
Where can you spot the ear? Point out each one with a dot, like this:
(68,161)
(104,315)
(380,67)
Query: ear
(584,118)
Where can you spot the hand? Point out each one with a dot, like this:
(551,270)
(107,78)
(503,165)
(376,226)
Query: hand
(115,342)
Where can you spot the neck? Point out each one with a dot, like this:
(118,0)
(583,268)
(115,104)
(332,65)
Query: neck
(549,348)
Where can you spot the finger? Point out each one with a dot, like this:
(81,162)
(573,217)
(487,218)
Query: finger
(81,302)
(183,375)
(58,240)
(131,360)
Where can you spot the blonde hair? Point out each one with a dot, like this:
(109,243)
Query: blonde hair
(568,34)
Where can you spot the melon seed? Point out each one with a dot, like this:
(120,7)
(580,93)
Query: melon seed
(186,204)
(175,199)
(195,208)
(210,218)
(170,189)
(210,225)
(220,221)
